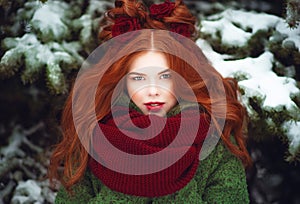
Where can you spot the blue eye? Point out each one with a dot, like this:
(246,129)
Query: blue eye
(138,78)
(165,76)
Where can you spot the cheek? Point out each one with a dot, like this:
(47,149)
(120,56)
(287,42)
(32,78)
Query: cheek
(170,92)
(167,85)
(135,94)
(172,99)
(171,95)
(131,89)
(134,87)
(136,98)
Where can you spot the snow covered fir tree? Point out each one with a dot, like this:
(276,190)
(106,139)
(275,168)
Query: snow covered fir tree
(44,43)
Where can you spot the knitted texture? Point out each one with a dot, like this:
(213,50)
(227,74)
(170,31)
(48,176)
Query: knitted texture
(170,179)
(220,178)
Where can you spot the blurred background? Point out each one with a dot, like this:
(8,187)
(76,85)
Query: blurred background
(43,44)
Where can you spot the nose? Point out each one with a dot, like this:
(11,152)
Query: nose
(153,90)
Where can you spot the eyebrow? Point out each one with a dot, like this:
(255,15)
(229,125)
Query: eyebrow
(166,70)
(137,73)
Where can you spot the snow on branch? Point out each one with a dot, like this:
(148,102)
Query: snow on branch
(251,47)
(36,56)
(48,21)
(58,36)
(21,172)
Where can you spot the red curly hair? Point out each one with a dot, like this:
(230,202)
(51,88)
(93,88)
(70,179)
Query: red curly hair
(72,151)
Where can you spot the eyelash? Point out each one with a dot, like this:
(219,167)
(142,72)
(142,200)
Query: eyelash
(138,78)
(163,76)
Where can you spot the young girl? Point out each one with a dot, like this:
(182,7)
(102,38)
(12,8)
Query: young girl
(138,122)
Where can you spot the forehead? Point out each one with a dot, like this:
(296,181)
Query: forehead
(157,61)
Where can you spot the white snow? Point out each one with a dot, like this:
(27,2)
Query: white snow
(48,20)
(27,192)
(36,55)
(261,80)
(257,77)
(292,34)
(14,143)
(293,134)
(85,22)
(97,6)
(226,28)
(225,23)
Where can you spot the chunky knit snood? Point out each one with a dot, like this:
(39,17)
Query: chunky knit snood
(182,135)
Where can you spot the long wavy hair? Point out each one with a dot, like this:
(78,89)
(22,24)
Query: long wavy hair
(72,151)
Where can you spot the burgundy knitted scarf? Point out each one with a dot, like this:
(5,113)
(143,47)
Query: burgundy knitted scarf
(182,136)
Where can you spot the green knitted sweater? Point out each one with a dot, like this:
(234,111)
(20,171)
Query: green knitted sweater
(220,178)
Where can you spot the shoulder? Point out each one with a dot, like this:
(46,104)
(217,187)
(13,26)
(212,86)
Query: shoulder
(81,192)
(221,177)
(218,156)
(221,155)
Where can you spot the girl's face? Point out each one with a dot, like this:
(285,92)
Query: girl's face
(150,84)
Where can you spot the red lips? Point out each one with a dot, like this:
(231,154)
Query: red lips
(154,106)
